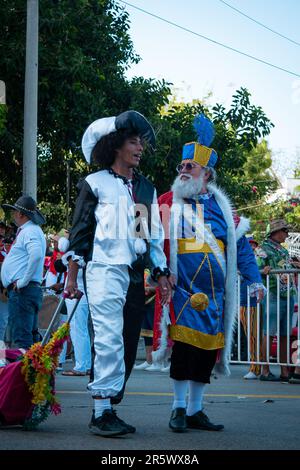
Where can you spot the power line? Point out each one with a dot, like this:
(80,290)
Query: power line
(259,23)
(209,39)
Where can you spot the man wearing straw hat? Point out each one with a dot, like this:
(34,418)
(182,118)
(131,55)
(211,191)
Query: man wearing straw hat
(22,272)
(272,255)
(205,248)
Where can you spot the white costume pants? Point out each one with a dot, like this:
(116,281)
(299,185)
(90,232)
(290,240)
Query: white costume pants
(80,334)
(107,287)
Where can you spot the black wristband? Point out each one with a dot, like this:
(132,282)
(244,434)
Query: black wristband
(157,272)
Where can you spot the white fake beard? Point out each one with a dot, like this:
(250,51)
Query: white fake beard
(185,189)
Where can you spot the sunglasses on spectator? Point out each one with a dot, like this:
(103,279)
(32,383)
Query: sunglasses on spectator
(188,166)
(285,230)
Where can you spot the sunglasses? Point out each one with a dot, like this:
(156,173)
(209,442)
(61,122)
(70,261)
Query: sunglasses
(188,166)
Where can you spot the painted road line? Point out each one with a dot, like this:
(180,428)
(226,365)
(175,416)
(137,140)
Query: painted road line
(169,394)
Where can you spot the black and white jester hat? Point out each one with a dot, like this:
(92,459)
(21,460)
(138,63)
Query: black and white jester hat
(131,120)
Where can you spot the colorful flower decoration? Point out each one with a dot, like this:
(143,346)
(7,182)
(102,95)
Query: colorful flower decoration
(38,367)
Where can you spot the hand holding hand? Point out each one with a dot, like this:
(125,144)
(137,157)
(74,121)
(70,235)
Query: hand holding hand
(165,289)
(284,278)
(260,295)
(267,270)
(172,280)
(71,291)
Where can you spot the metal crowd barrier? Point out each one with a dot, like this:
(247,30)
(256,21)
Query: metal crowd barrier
(293,359)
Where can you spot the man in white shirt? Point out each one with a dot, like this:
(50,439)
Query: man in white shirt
(22,272)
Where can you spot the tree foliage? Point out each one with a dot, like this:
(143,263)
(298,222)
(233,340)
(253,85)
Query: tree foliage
(84,51)
(244,159)
(280,209)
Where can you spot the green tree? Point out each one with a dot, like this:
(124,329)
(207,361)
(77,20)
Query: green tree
(264,212)
(244,158)
(84,51)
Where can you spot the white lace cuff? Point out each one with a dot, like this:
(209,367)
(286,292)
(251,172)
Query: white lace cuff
(71,254)
(255,287)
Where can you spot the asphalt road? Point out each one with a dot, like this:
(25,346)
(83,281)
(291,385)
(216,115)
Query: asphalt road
(256,415)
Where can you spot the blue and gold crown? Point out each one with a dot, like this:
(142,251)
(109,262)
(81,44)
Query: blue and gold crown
(199,151)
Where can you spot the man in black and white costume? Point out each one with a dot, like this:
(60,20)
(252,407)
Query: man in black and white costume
(104,238)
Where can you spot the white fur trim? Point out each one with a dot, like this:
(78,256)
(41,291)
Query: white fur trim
(242,228)
(161,353)
(230,309)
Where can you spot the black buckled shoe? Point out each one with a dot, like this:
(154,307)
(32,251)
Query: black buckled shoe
(178,420)
(106,425)
(200,421)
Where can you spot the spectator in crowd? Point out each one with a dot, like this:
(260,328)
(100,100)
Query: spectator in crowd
(295,376)
(79,329)
(254,370)
(11,231)
(147,327)
(22,272)
(115,144)
(65,233)
(272,255)
(54,280)
(3,251)
(3,292)
(3,311)
(3,314)
(206,246)
(2,230)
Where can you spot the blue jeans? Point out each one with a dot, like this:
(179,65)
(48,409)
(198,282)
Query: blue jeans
(80,334)
(282,314)
(23,307)
(3,319)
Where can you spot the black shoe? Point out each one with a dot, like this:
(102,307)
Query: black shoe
(130,429)
(178,420)
(295,379)
(200,421)
(284,379)
(269,378)
(107,424)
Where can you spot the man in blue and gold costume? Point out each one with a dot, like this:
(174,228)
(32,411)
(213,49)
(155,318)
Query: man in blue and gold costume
(205,249)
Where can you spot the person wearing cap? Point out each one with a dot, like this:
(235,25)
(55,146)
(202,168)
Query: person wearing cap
(103,237)
(254,369)
(22,272)
(272,255)
(203,235)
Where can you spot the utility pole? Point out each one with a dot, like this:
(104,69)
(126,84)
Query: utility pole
(68,192)
(31,101)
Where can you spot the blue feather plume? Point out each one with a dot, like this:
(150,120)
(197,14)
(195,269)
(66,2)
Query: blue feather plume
(205,129)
